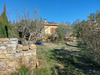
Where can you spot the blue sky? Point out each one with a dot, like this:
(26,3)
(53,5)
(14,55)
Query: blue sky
(52,10)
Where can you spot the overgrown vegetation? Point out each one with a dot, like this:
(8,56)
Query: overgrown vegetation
(58,61)
(62,31)
(23,70)
(7,30)
(89,33)
(30,29)
(65,60)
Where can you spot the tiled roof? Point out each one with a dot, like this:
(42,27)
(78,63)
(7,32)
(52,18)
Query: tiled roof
(51,24)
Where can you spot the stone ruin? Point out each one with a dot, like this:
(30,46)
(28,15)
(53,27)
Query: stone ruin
(13,55)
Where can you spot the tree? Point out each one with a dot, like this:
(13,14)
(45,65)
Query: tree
(3,23)
(90,36)
(61,31)
(77,27)
(6,28)
(30,29)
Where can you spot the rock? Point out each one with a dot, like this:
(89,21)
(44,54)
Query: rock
(13,39)
(4,73)
(0,51)
(14,42)
(5,52)
(4,40)
(18,55)
(13,46)
(27,53)
(2,48)
(19,46)
(25,48)
(11,52)
(18,51)
(13,64)
(2,66)
(2,56)
(11,59)
(33,47)
(0,42)
(5,43)
(10,55)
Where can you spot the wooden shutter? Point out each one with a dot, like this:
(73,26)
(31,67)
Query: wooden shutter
(52,30)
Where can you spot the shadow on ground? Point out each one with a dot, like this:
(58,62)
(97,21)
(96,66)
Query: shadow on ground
(73,63)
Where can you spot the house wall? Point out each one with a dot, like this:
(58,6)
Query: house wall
(47,29)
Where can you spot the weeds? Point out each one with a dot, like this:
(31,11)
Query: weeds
(23,70)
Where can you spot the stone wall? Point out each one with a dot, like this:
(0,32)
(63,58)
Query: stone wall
(12,55)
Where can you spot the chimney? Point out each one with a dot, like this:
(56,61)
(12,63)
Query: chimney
(45,20)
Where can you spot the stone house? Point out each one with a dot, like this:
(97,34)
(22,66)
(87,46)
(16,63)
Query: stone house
(50,27)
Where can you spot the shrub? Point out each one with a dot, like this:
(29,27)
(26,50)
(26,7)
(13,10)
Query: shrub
(61,31)
(90,36)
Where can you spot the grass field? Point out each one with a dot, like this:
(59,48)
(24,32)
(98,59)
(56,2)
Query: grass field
(62,59)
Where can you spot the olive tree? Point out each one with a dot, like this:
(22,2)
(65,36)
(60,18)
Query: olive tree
(90,35)
(31,28)
(61,31)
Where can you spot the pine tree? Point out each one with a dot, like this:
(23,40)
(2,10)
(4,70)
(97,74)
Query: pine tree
(3,22)
(3,17)
(6,28)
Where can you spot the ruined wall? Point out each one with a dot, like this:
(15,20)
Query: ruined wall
(12,55)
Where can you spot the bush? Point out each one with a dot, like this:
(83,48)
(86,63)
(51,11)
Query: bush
(61,31)
(90,36)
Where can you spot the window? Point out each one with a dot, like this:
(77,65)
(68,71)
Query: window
(52,30)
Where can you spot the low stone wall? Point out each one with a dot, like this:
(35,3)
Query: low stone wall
(12,55)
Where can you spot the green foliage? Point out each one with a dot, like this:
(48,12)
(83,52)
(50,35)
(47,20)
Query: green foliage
(63,48)
(23,70)
(6,28)
(61,31)
(2,31)
(3,17)
(77,27)
(43,71)
(90,36)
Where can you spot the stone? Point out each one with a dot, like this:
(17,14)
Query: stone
(10,55)
(4,73)
(33,52)
(11,52)
(19,46)
(13,64)
(32,47)
(18,55)
(18,51)
(5,52)
(13,39)
(11,59)
(25,48)
(14,42)
(2,56)
(27,53)
(4,44)
(13,46)
(2,65)
(0,51)
(4,40)
(2,48)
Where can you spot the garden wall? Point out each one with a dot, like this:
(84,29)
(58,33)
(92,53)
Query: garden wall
(13,55)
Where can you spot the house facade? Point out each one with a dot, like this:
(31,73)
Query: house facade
(50,27)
